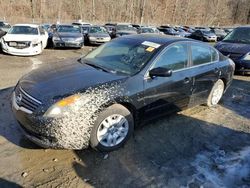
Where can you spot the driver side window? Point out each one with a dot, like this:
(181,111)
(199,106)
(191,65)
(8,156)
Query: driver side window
(174,57)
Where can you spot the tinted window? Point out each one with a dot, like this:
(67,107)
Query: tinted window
(200,54)
(239,35)
(174,58)
(23,30)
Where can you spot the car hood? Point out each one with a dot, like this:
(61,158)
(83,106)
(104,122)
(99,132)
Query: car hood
(71,35)
(98,34)
(63,78)
(233,47)
(14,37)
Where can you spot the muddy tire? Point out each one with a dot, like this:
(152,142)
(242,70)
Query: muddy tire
(216,93)
(112,128)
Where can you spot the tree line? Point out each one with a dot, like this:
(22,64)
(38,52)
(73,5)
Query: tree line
(148,12)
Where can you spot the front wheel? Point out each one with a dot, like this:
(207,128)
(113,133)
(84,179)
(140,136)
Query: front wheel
(216,93)
(112,128)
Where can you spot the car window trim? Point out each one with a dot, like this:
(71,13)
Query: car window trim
(146,75)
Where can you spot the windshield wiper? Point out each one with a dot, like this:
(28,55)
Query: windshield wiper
(97,67)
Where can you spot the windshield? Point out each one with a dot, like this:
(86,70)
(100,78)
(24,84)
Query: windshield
(97,30)
(206,32)
(147,30)
(124,27)
(219,31)
(46,27)
(239,35)
(121,56)
(69,29)
(26,30)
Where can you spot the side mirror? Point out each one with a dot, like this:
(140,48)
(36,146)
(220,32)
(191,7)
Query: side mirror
(160,72)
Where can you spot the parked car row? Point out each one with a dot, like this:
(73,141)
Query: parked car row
(31,39)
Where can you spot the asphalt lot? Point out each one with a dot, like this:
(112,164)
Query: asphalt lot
(202,146)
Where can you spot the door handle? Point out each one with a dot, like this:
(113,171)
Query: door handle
(186,80)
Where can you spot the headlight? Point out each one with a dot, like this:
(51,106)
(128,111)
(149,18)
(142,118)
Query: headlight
(63,107)
(36,41)
(247,57)
(107,38)
(79,39)
(92,38)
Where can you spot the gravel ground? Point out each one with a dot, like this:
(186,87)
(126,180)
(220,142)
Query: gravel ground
(202,146)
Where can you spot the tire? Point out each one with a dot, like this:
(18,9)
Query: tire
(108,135)
(216,93)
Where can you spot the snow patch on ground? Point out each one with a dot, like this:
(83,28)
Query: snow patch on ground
(220,169)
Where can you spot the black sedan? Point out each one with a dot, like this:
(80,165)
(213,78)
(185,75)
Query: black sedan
(169,31)
(203,35)
(236,45)
(98,99)
(68,36)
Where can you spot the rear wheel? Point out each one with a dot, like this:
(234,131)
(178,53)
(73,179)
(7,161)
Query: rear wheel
(216,93)
(112,128)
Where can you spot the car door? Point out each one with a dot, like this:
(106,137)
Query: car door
(205,71)
(168,94)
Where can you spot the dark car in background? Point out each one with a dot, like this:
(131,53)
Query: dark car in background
(68,36)
(97,35)
(182,32)
(4,28)
(169,31)
(98,99)
(151,30)
(111,30)
(203,35)
(236,45)
(220,33)
(123,29)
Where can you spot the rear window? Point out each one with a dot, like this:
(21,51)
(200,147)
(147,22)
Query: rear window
(201,54)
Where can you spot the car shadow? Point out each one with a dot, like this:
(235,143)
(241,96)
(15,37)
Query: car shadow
(159,153)
(9,128)
(237,98)
(162,152)
(8,184)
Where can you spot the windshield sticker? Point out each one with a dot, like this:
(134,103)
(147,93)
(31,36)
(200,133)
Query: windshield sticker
(150,49)
(151,44)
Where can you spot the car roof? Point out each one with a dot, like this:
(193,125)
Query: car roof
(29,25)
(160,39)
(244,26)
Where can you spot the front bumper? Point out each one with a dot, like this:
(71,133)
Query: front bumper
(29,51)
(211,39)
(68,44)
(64,133)
(96,41)
(242,66)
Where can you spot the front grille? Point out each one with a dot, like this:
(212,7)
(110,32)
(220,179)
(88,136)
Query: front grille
(19,44)
(233,56)
(24,100)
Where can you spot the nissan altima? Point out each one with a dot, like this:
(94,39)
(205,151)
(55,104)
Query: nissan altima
(98,99)
(68,36)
